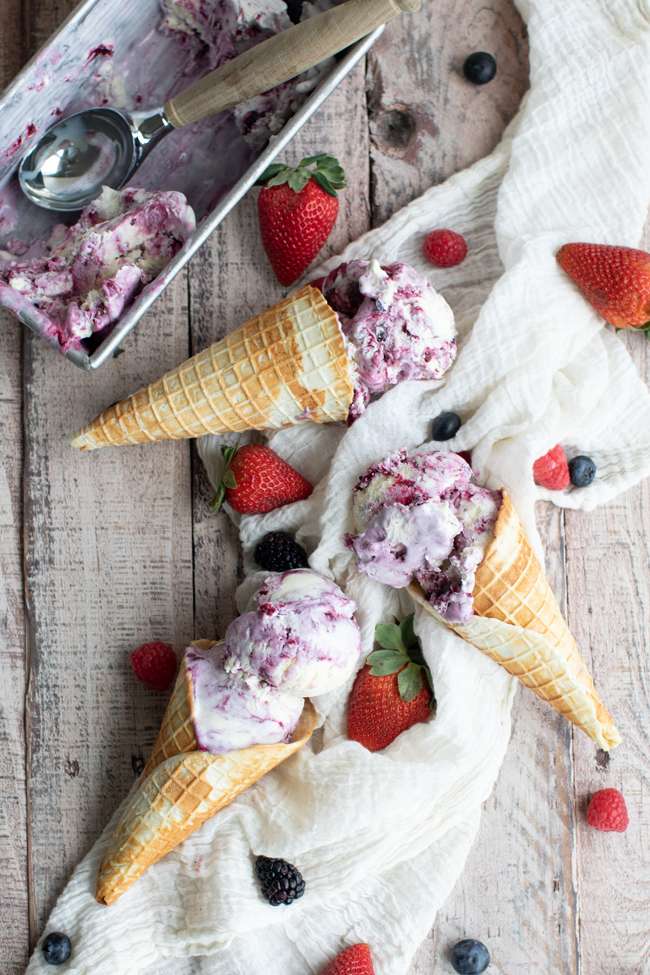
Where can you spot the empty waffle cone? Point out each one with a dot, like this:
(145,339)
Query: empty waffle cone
(181,790)
(281,367)
(518,624)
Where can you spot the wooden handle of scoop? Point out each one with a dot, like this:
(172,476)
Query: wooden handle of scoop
(282,57)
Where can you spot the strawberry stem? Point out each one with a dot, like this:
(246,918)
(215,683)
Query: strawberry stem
(401,653)
(322,168)
(228,479)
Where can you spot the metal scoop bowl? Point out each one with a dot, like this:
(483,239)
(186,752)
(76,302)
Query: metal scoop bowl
(100,147)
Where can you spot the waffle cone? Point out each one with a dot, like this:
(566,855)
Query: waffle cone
(181,790)
(518,624)
(279,368)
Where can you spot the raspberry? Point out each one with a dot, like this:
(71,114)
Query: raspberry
(355,960)
(445,248)
(607,811)
(552,470)
(155,665)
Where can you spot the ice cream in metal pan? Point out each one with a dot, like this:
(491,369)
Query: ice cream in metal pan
(96,60)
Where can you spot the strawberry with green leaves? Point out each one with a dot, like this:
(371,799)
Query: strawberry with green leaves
(297,209)
(393,691)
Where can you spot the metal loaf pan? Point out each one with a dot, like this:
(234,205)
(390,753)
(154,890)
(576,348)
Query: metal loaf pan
(55,82)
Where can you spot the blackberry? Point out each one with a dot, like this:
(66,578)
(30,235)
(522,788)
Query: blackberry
(281,882)
(279,551)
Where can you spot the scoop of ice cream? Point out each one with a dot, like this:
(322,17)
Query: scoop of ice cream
(421,516)
(301,637)
(89,272)
(236,711)
(398,325)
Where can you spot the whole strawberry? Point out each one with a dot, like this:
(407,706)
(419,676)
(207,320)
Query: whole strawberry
(256,480)
(552,470)
(614,280)
(297,209)
(155,665)
(607,811)
(355,960)
(393,691)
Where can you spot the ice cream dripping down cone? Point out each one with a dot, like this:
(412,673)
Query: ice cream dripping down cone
(284,366)
(181,788)
(536,646)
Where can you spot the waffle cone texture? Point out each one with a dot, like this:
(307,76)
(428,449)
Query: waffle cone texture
(518,623)
(181,788)
(284,366)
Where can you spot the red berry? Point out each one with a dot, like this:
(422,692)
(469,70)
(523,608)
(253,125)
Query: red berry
(155,665)
(607,811)
(297,209)
(377,714)
(445,248)
(552,470)
(614,280)
(257,480)
(355,960)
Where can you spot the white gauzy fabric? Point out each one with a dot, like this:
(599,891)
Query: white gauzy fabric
(381,838)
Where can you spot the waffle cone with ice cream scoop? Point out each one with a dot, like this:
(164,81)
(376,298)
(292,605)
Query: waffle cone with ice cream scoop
(518,623)
(281,367)
(181,788)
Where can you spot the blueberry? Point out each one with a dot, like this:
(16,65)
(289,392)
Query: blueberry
(57,948)
(445,426)
(470,957)
(479,68)
(582,471)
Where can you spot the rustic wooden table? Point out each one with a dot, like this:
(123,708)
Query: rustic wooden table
(99,554)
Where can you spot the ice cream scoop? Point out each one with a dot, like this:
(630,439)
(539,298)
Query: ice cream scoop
(104,146)
(301,635)
(397,324)
(421,517)
(299,640)
(236,711)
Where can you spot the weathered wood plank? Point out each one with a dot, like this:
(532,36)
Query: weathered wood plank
(426,123)
(517,892)
(108,565)
(608,569)
(14,852)
(230,280)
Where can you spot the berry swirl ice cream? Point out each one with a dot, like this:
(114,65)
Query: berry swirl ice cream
(301,640)
(232,712)
(421,517)
(398,326)
(86,274)
(302,635)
